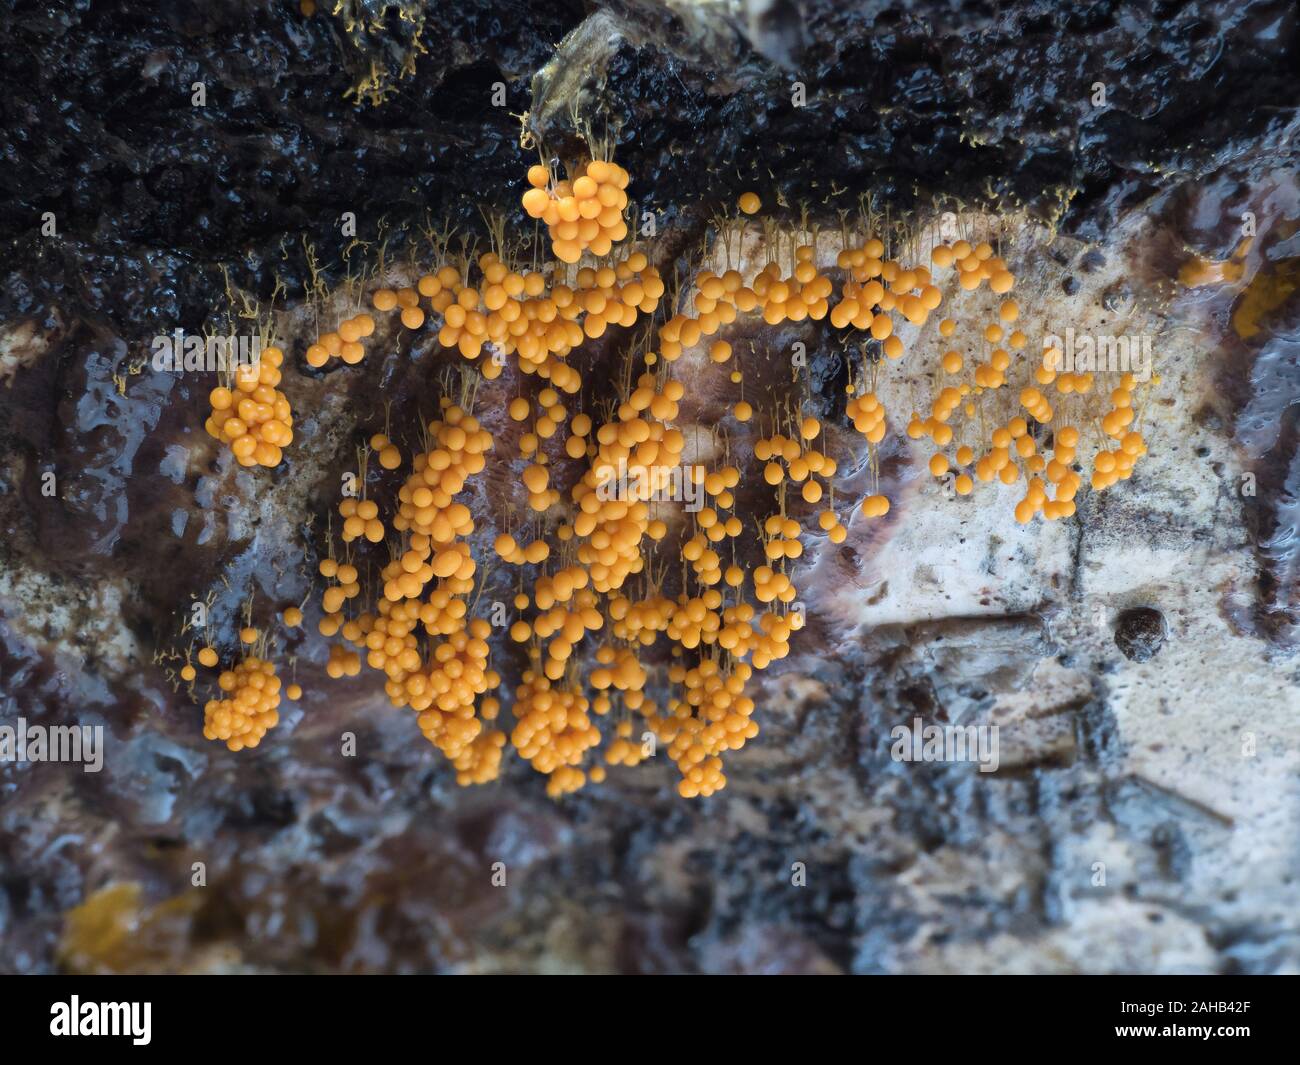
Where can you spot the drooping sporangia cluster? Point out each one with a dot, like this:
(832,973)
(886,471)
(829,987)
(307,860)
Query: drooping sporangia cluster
(608,644)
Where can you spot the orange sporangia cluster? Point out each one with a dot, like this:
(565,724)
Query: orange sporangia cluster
(582,215)
(718,300)
(1014,453)
(361,518)
(343,343)
(519,312)
(974,264)
(342,663)
(554,732)
(254,418)
(621,751)
(563,623)
(712,717)
(348,587)
(250,707)
(804,293)
(457,444)
(1116,463)
(867,414)
(445,697)
(787,458)
(593,616)
(390,456)
(423,588)
(643,450)
(875,287)
(878,286)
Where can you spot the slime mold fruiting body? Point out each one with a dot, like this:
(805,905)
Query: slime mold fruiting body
(600,559)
